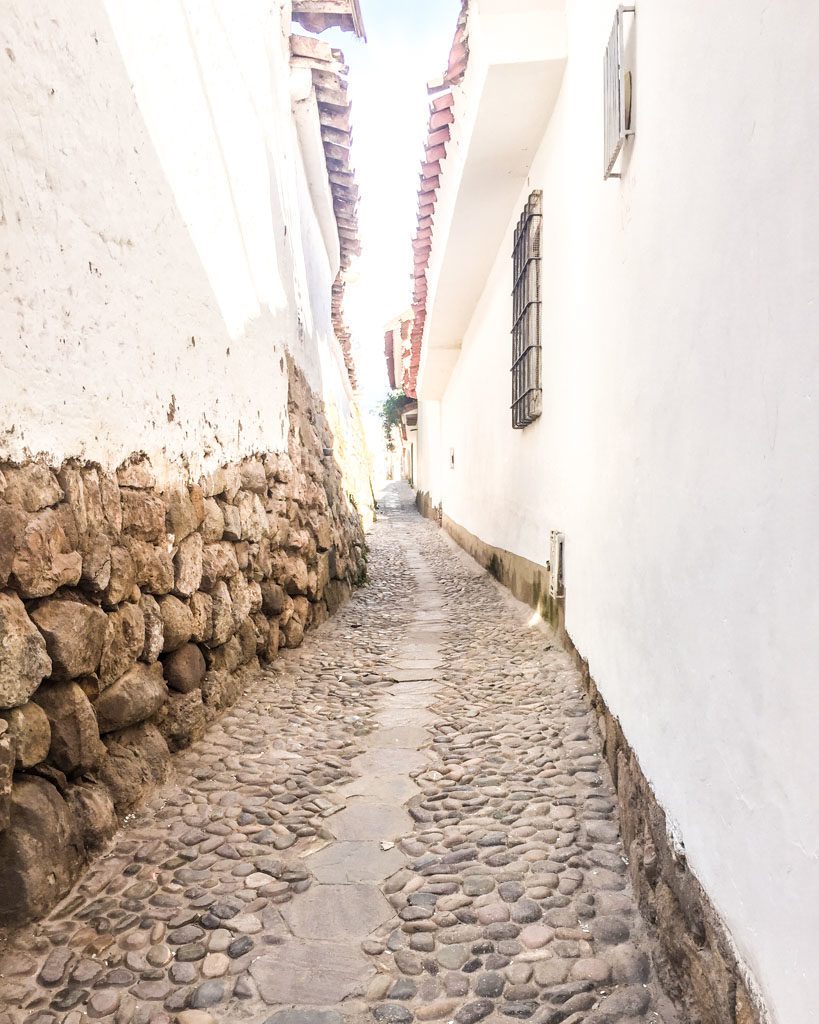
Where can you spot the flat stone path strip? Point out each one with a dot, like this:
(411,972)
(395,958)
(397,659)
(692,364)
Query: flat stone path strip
(407,819)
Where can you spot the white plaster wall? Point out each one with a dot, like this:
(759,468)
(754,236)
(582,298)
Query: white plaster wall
(160,250)
(430,450)
(677,449)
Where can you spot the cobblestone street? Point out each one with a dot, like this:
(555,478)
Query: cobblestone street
(408,818)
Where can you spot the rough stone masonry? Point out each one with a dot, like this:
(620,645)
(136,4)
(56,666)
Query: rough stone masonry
(129,617)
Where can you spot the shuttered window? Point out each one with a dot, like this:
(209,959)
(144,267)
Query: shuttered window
(526,384)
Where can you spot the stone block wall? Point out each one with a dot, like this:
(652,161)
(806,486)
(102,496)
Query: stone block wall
(130,613)
(697,964)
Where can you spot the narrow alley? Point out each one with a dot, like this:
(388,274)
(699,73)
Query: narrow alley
(408,818)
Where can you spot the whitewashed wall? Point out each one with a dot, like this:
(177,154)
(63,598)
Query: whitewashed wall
(160,248)
(678,445)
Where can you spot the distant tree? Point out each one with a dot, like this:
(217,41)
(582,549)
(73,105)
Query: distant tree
(391,409)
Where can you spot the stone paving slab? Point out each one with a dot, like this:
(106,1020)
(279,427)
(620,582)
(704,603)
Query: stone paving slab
(406,737)
(355,862)
(311,974)
(366,819)
(337,913)
(379,763)
(385,789)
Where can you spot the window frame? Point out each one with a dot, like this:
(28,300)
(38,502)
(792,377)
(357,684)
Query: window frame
(527,391)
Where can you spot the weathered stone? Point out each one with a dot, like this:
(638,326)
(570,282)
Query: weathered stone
(137,761)
(136,472)
(93,810)
(44,560)
(471,1013)
(153,566)
(154,629)
(227,657)
(194,1017)
(335,594)
(122,579)
(7,759)
(218,563)
(272,598)
(177,622)
(288,976)
(273,643)
(181,719)
(306,1016)
(232,522)
(143,515)
(184,668)
(103,1004)
(186,510)
(241,600)
(293,633)
(253,476)
(629,1002)
(33,487)
(209,993)
(290,570)
(213,525)
(221,689)
(74,633)
(253,517)
(12,524)
(75,742)
(322,573)
(188,566)
(609,930)
(124,642)
(93,499)
(392,1013)
(133,698)
(30,732)
(40,852)
(201,606)
(222,624)
(302,610)
(629,966)
(96,562)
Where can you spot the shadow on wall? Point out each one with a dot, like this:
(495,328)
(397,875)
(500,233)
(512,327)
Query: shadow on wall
(214,116)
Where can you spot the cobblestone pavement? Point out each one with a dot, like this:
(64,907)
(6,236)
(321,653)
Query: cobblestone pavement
(408,818)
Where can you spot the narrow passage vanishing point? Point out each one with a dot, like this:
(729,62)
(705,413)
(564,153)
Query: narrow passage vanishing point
(408,818)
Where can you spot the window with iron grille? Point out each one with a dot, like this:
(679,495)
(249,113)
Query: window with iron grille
(526,389)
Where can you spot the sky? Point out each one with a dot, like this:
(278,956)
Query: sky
(408,44)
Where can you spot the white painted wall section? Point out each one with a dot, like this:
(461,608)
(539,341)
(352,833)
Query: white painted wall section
(677,448)
(161,249)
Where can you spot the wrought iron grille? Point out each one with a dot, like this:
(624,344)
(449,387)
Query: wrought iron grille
(526,386)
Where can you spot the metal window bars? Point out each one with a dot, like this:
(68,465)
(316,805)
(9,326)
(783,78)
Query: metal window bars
(526,380)
(617,96)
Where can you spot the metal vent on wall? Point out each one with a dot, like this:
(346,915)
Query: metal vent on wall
(556,565)
(617,101)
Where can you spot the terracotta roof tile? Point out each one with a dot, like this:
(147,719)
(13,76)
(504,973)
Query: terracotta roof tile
(329,73)
(442,115)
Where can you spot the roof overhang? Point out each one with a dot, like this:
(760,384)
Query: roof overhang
(319,15)
(511,104)
(308,125)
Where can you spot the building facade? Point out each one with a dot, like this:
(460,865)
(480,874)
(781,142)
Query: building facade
(183,479)
(404,438)
(619,374)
